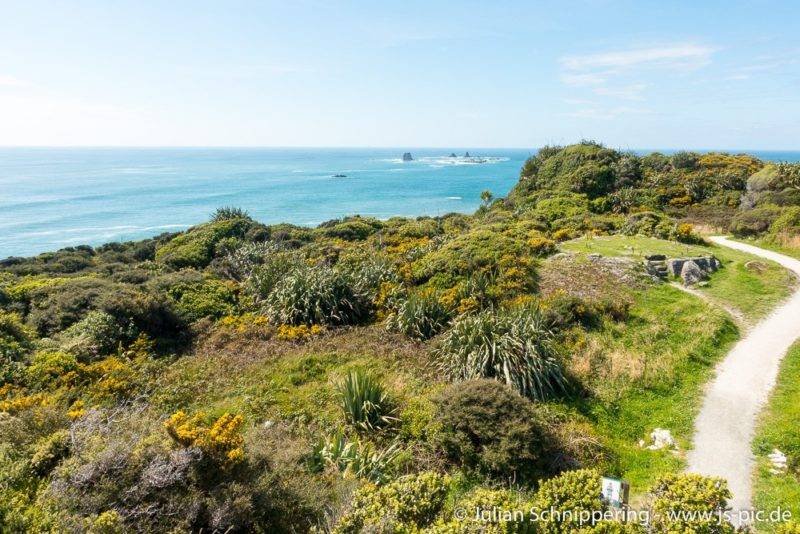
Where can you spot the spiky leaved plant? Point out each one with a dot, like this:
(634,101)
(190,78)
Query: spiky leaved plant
(420,316)
(317,295)
(515,347)
(365,402)
(354,457)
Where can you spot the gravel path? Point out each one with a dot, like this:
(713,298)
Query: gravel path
(724,428)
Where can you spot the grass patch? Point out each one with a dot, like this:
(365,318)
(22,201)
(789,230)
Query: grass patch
(753,292)
(778,429)
(649,372)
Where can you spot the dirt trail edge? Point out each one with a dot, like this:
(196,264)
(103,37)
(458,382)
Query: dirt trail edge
(724,428)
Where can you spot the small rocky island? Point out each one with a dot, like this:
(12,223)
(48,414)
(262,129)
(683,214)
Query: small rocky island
(407,157)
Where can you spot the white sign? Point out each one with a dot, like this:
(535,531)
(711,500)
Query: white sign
(614,491)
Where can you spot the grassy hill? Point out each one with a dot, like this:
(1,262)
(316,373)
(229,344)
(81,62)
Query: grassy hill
(371,374)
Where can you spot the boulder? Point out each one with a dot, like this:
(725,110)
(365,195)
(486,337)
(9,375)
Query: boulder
(707,264)
(691,273)
(655,257)
(407,157)
(662,439)
(779,462)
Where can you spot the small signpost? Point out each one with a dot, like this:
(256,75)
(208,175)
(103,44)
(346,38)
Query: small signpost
(615,491)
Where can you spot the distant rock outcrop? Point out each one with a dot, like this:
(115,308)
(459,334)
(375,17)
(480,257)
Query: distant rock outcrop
(407,157)
(453,155)
(466,155)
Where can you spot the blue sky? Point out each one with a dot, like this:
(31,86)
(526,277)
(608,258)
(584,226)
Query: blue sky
(632,74)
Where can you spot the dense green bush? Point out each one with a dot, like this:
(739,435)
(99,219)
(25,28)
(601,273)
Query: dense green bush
(486,427)
(196,247)
(56,308)
(15,338)
(365,402)
(687,493)
(476,250)
(317,295)
(582,168)
(407,504)
(574,491)
(49,452)
(420,316)
(515,347)
(227,213)
(755,221)
(787,224)
(48,366)
(207,298)
(96,335)
(351,228)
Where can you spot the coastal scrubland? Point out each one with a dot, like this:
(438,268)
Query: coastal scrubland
(383,375)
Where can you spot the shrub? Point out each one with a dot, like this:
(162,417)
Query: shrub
(221,442)
(209,298)
(684,160)
(474,251)
(196,247)
(586,167)
(95,335)
(420,316)
(788,527)
(298,333)
(49,452)
(354,458)
(351,228)
(15,338)
(787,224)
(541,246)
(365,402)
(574,491)
(227,213)
(48,366)
(486,427)
(55,309)
(409,503)
(755,221)
(317,295)
(687,493)
(515,347)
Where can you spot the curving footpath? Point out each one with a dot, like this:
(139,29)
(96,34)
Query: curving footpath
(725,426)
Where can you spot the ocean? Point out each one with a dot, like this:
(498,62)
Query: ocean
(52,198)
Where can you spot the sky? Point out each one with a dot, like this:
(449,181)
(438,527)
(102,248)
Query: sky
(630,74)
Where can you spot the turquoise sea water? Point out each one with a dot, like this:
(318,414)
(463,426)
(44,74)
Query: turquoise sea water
(52,198)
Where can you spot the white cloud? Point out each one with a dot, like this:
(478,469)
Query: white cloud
(582,79)
(628,92)
(677,54)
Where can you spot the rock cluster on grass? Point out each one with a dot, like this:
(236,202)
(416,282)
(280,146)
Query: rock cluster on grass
(690,270)
(662,439)
(779,462)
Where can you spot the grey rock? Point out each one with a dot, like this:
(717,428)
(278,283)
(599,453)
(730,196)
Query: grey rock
(407,157)
(691,273)
(707,264)
(655,257)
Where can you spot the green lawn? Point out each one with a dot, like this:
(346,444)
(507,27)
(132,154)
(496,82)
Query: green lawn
(779,428)
(752,292)
(664,354)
